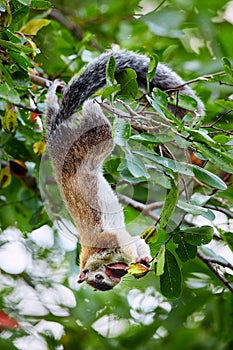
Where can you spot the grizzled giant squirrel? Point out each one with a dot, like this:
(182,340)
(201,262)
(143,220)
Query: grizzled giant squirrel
(78,145)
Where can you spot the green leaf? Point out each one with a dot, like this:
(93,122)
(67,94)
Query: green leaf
(128,81)
(24,2)
(111,165)
(110,71)
(185,251)
(160,97)
(160,102)
(110,91)
(23,61)
(7,77)
(32,27)
(150,235)
(17,47)
(227,67)
(169,205)
(156,106)
(199,199)
(40,4)
(222,139)
(208,178)
(9,94)
(126,175)
(157,139)
(178,167)
(111,88)
(218,158)
(21,79)
(182,143)
(159,177)
(184,101)
(19,13)
(198,235)
(195,210)
(37,216)
(200,135)
(228,238)
(151,69)
(228,104)
(160,260)
(136,166)
(170,281)
(121,131)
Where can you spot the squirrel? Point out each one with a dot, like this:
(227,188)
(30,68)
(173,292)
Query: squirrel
(78,145)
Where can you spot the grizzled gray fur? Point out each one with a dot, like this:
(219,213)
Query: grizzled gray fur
(94,77)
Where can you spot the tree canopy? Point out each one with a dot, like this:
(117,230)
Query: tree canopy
(173,177)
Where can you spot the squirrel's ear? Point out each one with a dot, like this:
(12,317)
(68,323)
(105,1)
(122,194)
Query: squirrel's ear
(82,276)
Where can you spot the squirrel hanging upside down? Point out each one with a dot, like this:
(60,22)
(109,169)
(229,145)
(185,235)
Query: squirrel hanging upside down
(78,146)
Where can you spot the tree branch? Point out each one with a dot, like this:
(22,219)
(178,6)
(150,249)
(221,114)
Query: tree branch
(28,108)
(215,271)
(205,77)
(220,209)
(40,81)
(216,121)
(221,263)
(144,209)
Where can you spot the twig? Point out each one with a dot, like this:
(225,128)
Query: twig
(114,110)
(217,238)
(221,263)
(140,117)
(137,205)
(28,108)
(201,78)
(218,119)
(214,270)
(223,83)
(222,210)
(153,206)
(128,108)
(40,81)
(228,132)
(159,5)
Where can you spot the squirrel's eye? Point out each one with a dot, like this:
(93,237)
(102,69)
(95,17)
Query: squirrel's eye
(99,277)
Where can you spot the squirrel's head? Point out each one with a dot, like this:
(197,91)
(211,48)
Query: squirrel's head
(105,277)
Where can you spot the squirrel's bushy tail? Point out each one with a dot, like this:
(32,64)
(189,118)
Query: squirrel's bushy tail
(94,77)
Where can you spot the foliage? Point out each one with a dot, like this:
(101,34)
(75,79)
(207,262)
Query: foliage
(173,176)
